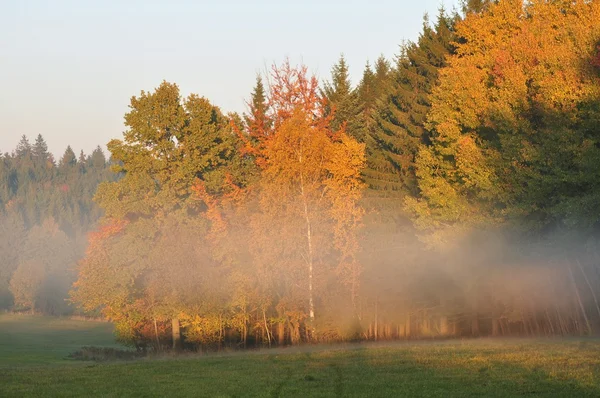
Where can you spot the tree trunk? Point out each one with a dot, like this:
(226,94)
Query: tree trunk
(221,337)
(495,327)
(425,325)
(281,333)
(176,333)
(589,285)
(587,321)
(245,334)
(309,260)
(550,325)
(267,327)
(503,326)
(376,331)
(444,325)
(401,330)
(156,335)
(475,326)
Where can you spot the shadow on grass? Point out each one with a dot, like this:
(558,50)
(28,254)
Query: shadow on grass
(450,371)
(445,371)
(410,370)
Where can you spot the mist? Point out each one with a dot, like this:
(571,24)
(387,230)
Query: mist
(450,193)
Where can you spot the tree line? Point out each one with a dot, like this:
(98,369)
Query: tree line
(451,192)
(46,210)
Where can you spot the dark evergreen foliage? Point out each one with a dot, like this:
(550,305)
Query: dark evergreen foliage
(38,195)
(401,115)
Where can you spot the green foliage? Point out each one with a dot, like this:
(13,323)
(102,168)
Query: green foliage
(170,144)
(34,189)
(511,136)
(400,129)
(257,121)
(236,227)
(342,101)
(146,270)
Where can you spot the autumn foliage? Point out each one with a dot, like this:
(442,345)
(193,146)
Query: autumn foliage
(293,223)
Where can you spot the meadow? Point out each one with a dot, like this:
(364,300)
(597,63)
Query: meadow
(34,361)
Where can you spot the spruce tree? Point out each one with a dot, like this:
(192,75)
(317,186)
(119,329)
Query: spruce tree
(371,91)
(342,100)
(40,150)
(257,120)
(383,74)
(97,159)
(367,92)
(68,159)
(23,147)
(400,121)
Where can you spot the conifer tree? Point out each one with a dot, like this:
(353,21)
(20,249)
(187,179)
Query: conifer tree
(68,159)
(257,119)
(342,102)
(367,92)
(97,159)
(40,150)
(401,117)
(511,136)
(23,147)
(371,91)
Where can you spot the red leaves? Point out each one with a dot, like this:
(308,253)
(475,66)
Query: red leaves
(290,89)
(114,227)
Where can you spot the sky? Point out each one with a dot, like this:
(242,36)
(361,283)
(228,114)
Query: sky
(69,68)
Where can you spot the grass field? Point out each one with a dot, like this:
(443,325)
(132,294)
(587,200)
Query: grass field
(33,362)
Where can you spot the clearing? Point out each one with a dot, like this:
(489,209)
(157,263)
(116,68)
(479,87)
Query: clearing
(34,350)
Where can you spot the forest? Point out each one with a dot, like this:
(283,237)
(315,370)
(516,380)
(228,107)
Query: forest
(454,191)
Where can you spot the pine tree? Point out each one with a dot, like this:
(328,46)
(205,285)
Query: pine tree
(97,159)
(23,147)
(42,159)
(258,123)
(342,101)
(368,93)
(383,74)
(40,150)
(401,118)
(68,159)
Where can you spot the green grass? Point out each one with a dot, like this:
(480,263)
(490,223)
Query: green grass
(33,350)
(40,340)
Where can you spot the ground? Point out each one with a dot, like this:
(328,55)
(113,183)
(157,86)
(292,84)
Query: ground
(34,362)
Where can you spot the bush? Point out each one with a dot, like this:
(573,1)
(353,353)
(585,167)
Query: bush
(100,354)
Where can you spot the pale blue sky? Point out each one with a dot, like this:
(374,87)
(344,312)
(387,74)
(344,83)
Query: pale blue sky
(69,68)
